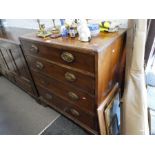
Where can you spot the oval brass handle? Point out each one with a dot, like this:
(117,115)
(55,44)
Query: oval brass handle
(73,96)
(74,112)
(70,77)
(39,65)
(34,49)
(68,57)
(48,96)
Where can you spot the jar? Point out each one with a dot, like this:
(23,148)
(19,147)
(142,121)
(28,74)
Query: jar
(64,31)
(72,32)
(94,29)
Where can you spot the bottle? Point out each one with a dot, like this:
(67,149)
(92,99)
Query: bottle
(72,32)
(64,31)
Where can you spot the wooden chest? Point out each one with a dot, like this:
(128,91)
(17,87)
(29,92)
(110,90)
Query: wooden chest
(12,61)
(75,77)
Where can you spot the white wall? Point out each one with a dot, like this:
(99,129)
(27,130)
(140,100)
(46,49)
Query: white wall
(29,23)
(32,23)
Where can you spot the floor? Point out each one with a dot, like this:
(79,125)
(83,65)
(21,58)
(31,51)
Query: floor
(20,114)
(62,126)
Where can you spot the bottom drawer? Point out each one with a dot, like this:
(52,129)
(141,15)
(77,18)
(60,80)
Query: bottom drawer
(72,111)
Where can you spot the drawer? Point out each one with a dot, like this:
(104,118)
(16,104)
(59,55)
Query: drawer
(73,59)
(65,75)
(66,108)
(67,92)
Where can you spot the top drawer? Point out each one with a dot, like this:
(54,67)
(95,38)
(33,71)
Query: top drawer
(73,59)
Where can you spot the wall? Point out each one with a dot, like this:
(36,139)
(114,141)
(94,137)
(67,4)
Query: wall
(28,23)
(32,23)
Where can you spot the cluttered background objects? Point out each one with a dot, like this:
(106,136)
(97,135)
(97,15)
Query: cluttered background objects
(81,28)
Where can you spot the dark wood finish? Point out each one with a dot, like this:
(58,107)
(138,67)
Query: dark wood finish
(80,75)
(83,81)
(66,92)
(108,65)
(12,60)
(79,60)
(76,113)
(96,45)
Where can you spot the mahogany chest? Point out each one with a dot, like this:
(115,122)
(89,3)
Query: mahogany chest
(75,77)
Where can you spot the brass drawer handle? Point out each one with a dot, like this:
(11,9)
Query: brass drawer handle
(39,65)
(48,96)
(70,77)
(68,57)
(73,96)
(74,112)
(34,49)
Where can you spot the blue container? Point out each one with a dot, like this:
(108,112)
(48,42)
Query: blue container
(62,21)
(94,29)
(64,31)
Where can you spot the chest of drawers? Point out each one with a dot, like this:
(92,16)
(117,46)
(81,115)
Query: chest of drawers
(75,77)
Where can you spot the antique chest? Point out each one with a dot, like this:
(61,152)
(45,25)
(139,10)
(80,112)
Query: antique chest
(75,77)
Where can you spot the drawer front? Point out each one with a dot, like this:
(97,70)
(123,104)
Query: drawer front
(65,75)
(73,59)
(73,111)
(68,93)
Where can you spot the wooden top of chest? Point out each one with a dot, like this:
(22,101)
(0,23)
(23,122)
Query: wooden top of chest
(97,44)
